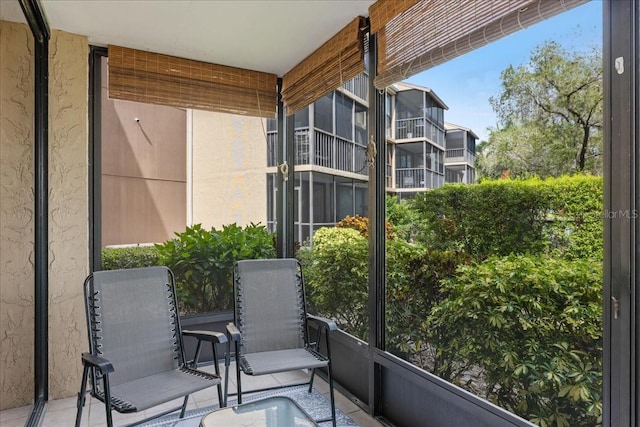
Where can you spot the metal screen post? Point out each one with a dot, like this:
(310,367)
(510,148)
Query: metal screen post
(621,204)
(377,248)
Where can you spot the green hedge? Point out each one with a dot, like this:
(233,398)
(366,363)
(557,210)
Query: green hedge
(129,257)
(530,328)
(561,215)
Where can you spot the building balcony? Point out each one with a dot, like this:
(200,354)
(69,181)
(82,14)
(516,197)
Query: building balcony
(323,149)
(418,179)
(419,128)
(459,155)
(359,86)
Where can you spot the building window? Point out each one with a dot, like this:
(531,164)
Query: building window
(301,118)
(361,124)
(409,104)
(344,116)
(323,113)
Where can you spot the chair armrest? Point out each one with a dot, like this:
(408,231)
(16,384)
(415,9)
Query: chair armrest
(233,332)
(214,337)
(328,324)
(97,362)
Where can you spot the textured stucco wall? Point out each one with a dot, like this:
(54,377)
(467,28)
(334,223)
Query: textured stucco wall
(68,212)
(16,215)
(68,209)
(229,169)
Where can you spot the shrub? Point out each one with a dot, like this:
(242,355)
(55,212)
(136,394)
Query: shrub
(129,257)
(404,218)
(527,330)
(361,224)
(410,300)
(202,261)
(560,215)
(336,272)
(336,278)
(575,223)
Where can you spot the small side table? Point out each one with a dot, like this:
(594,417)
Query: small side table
(277,411)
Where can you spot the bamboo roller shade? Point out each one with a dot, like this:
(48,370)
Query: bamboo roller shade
(434,31)
(383,11)
(338,60)
(153,78)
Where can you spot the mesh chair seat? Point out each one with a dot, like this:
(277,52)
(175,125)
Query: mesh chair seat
(269,362)
(136,395)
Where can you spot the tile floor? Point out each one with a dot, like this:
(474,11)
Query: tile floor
(62,412)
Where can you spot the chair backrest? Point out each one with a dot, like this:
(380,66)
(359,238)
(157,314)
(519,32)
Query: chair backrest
(269,307)
(133,321)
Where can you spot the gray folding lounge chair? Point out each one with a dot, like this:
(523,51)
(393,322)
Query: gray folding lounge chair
(136,359)
(270,324)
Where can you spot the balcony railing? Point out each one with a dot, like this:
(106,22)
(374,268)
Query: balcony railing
(418,127)
(324,150)
(359,86)
(418,178)
(410,128)
(272,149)
(456,155)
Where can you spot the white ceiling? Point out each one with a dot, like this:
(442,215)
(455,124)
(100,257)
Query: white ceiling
(264,35)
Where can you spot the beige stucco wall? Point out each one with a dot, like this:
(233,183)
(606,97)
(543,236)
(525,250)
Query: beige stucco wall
(16,215)
(68,212)
(229,169)
(68,209)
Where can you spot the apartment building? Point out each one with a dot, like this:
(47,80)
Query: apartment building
(423,152)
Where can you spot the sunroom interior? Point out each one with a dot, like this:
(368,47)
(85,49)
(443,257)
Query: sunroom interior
(267,59)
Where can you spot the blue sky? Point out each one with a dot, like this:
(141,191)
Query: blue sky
(466,83)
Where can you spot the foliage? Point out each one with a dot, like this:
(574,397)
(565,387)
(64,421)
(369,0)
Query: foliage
(361,224)
(336,278)
(405,220)
(563,215)
(497,217)
(550,111)
(337,284)
(506,300)
(574,223)
(530,327)
(129,257)
(413,288)
(202,261)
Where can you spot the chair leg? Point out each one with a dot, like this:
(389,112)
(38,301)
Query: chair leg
(221,402)
(330,375)
(317,348)
(313,373)
(227,362)
(184,406)
(107,399)
(331,394)
(238,379)
(82,395)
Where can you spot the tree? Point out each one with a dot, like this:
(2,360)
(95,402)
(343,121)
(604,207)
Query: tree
(549,114)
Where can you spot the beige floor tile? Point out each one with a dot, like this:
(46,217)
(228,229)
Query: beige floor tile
(363,419)
(21,413)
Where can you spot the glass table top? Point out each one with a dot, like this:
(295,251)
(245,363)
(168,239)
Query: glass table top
(270,412)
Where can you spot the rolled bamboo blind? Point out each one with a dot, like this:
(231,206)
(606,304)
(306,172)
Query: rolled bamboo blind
(383,11)
(431,32)
(153,78)
(338,60)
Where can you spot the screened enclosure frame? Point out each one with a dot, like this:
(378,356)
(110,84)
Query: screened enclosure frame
(621,395)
